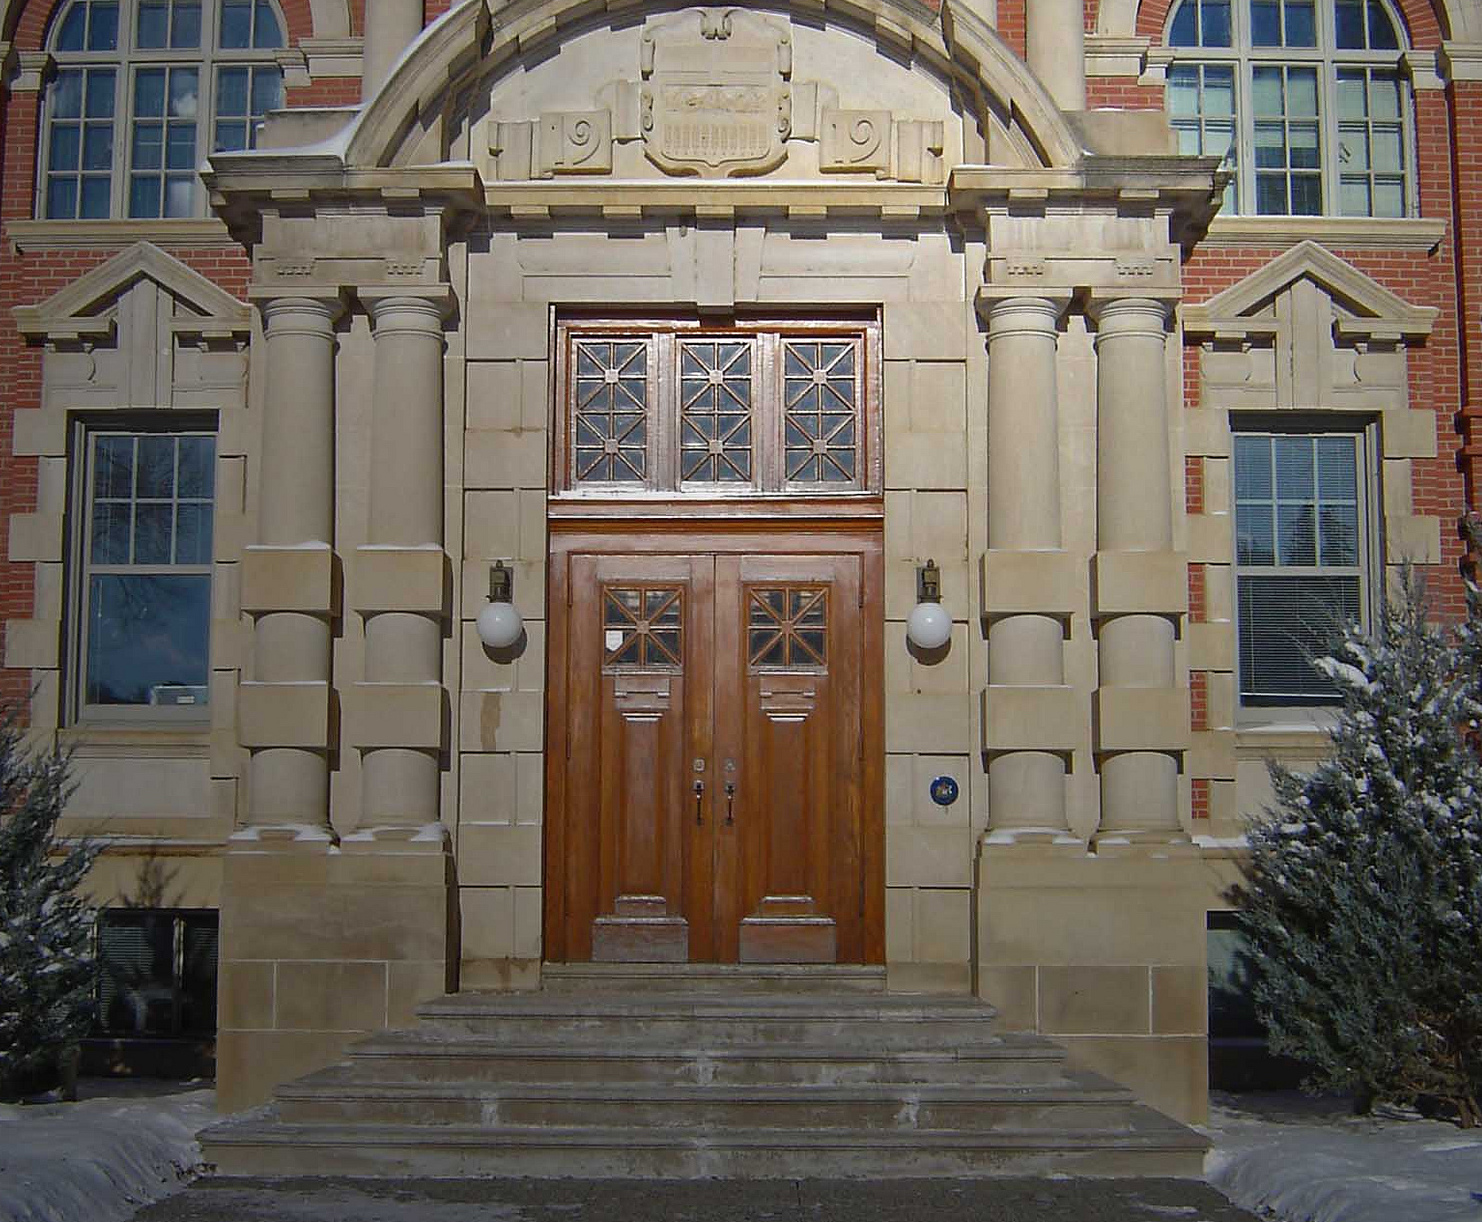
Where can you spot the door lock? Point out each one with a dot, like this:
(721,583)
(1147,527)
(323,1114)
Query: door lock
(699,798)
(730,797)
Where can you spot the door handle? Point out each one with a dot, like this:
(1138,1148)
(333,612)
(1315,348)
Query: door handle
(699,797)
(730,797)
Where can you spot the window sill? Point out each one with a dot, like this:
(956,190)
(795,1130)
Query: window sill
(1350,232)
(26,236)
(1303,735)
(159,740)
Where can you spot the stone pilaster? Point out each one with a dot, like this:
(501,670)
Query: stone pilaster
(1139,583)
(1029,722)
(398,714)
(288,577)
(1055,47)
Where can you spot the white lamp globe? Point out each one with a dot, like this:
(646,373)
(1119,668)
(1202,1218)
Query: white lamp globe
(929,626)
(499,625)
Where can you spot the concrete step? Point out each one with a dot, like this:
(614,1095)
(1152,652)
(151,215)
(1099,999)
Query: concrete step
(573,1105)
(263,1145)
(716,1020)
(446,1056)
(789,979)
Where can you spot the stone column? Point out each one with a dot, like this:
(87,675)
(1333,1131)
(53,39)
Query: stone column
(1141,584)
(1055,47)
(1026,576)
(288,576)
(390,27)
(396,716)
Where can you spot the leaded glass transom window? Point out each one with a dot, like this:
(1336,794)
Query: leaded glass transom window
(643,627)
(145,90)
(1300,557)
(1305,98)
(743,411)
(715,429)
(610,411)
(787,627)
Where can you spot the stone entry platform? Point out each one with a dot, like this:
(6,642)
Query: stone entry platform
(769,1073)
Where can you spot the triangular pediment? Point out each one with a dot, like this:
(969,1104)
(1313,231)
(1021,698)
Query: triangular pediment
(86,305)
(1361,305)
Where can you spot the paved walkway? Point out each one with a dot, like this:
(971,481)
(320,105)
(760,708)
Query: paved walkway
(432,1200)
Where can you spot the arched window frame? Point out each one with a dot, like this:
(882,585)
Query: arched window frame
(128,124)
(1355,173)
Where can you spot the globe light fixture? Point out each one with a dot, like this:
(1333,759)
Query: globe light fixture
(929,626)
(499,623)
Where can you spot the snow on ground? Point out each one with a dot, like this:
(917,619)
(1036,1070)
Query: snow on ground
(1280,1156)
(119,1147)
(1310,1160)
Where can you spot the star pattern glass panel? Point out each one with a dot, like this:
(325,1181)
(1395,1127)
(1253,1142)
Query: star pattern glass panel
(643,627)
(610,416)
(715,404)
(787,627)
(821,405)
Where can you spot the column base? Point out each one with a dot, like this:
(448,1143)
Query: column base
(1143,842)
(308,835)
(1041,837)
(426,838)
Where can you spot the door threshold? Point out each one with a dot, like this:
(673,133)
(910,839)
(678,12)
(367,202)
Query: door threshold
(704,977)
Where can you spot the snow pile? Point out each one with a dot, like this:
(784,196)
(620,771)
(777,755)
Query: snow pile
(1311,1161)
(98,1160)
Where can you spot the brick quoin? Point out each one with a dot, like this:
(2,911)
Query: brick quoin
(1198,608)
(1199,797)
(1199,700)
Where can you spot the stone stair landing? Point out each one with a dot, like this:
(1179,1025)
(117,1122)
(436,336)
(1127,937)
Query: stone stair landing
(704,1072)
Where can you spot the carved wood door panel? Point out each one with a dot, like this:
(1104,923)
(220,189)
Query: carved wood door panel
(709,795)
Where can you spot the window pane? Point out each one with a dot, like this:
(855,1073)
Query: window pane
(1252,468)
(149,93)
(153,534)
(1354,197)
(1382,33)
(1297,534)
(153,24)
(1303,151)
(113,466)
(1339,525)
(231,91)
(97,147)
(181,147)
(1306,195)
(1352,103)
(1255,539)
(1349,24)
(100,93)
(66,95)
(148,146)
(1301,25)
(180,196)
(1294,475)
(1265,23)
(197,467)
(1215,23)
(73,29)
(1184,32)
(183,92)
(1284,623)
(136,961)
(185,29)
(61,198)
(147,639)
(110,542)
(236,25)
(102,32)
(66,147)
(267,90)
(193,534)
(267,35)
(1389,199)
(1387,150)
(1266,91)
(96,201)
(1301,91)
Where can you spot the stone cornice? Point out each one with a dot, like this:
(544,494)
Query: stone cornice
(1460,61)
(92,235)
(1113,55)
(1345,232)
(718,200)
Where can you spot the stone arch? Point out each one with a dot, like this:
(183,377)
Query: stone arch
(471,40)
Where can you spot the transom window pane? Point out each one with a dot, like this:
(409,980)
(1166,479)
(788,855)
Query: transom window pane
(147,568)
(127,138)
(715,400)
(1311,94)
(611,407)
(821,400)
(1299,551)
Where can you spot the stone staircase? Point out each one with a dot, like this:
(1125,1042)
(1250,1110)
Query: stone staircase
(650,1071)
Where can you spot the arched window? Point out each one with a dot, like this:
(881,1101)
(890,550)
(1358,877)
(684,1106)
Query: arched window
(145,90)
(1305,97)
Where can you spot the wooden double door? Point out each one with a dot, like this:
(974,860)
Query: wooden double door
(714,755)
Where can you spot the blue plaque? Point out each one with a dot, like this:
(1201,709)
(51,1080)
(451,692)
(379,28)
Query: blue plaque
(944,791)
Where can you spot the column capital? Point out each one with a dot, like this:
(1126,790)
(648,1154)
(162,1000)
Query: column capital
(298,310)
(407,307)
(1013,309)
(1146,314)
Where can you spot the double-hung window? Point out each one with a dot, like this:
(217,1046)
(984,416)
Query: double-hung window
(145,90)
(1305,98)
(1302,555)
(142,583)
